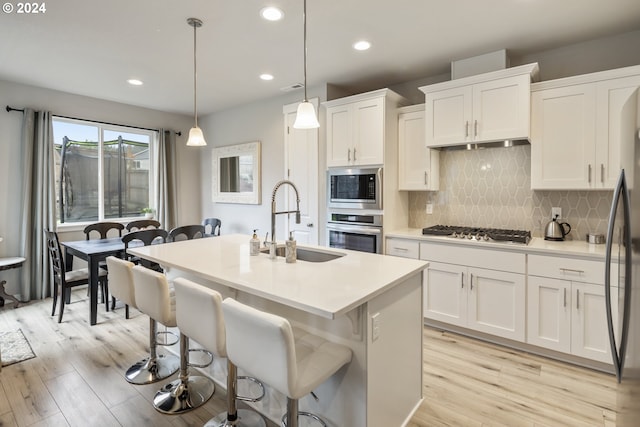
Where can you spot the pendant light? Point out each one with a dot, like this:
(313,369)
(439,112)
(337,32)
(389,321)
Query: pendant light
(196,138)
(306,114)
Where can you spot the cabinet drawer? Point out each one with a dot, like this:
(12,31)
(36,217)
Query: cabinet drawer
(403,248)
(512,262)
(577,270)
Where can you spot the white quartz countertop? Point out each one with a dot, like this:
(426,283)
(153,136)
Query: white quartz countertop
(326,289)
(537,245)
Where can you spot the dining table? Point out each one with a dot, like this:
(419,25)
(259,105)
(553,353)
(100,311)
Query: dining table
(93,252)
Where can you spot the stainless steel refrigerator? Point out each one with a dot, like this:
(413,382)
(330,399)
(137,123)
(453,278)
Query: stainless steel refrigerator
(622,290)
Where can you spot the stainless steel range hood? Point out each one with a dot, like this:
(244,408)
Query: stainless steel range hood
(482,145)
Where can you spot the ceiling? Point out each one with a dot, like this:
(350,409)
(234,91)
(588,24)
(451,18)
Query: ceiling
(91,47)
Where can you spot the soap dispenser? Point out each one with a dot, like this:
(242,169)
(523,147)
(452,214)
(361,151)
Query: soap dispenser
(254,244)
(290,249)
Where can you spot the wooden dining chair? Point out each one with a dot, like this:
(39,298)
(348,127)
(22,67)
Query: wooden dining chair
(212,226)
(142,224)
(186,232)
(64,280)
(147,237)
(103,229)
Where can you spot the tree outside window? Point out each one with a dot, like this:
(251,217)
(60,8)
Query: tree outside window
(102,171)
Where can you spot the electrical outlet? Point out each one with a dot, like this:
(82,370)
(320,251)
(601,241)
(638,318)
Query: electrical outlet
(375,327)
(556,211)
(429,208)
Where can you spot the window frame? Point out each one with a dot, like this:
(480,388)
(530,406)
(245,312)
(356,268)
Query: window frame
(153,170)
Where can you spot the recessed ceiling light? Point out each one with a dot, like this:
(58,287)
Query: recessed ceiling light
(272,13)
(361,45)
(266,76)
(135,82)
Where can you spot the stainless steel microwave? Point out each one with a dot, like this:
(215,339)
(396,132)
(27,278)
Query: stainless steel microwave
(354,188)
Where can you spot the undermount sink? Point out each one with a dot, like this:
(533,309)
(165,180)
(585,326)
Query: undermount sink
(306,254)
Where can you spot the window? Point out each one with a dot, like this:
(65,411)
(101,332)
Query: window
(102,172)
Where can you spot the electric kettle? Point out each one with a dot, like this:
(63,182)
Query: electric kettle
(556,230)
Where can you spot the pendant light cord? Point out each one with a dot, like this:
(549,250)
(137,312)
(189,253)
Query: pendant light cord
(195,75)
(304,18)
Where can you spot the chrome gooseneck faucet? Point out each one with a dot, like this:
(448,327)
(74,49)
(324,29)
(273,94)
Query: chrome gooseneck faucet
(274,212)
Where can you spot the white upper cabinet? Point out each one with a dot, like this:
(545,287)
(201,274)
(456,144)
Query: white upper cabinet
(488,107)
(357,128)
(582,130)
(418,166)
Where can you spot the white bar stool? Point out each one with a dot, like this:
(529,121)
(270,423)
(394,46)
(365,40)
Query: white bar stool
(120,272)
(199,315)
(153,298)
(265,346)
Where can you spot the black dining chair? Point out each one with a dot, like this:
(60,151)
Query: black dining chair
(186,232)
(64,280)
(142,224)
(212,226)
(147,237)
(103,229)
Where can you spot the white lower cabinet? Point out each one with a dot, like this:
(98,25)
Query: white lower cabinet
(483,300)
(559,304)
(496,302)
(549,313)
(403,248)
(568,315)
(444,293)
(487,300)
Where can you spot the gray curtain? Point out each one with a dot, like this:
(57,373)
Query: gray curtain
(166,185)
(38,189)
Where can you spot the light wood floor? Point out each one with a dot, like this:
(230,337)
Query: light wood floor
(77,379)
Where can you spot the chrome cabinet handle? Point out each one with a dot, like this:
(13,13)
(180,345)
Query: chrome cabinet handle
(466,129)
(565,297)
(475,128)
(471,281)
(461,280)
(577,299)
(354,154)
(602,173)
(589,173)
(425,177)
(400,249)
(349,154)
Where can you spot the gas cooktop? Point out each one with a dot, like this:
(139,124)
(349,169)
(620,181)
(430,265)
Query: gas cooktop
(479,234)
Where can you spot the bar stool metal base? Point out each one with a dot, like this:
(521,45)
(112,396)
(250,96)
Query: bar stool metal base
(246,418)
(183,395)
(304,414)
(150,370)
(291,417)
(254,381)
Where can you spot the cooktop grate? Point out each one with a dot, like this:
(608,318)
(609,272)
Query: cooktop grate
(479,233)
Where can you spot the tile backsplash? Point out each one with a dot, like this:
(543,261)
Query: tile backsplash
(491,187)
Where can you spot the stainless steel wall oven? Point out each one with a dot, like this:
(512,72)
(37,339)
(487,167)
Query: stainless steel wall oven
(354,231)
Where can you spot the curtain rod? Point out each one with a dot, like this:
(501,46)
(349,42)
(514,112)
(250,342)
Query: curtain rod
(9,109)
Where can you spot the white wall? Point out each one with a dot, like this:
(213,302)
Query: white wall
(65,104)
(261,121)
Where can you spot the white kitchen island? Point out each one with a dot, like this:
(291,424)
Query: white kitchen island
(371,303)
